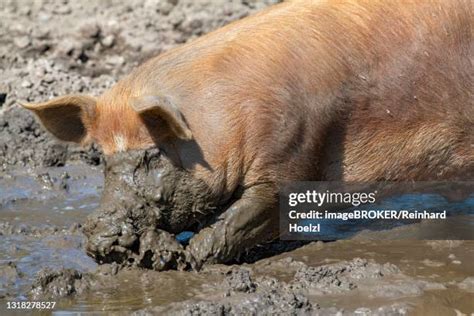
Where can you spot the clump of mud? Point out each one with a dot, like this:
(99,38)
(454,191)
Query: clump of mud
(243,293)
(68,282)
(342,276)
(467,284)
(146,199)
(59,283)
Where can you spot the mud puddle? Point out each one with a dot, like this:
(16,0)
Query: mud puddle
(42,257)
(40,216)
(58,196)
(347,277)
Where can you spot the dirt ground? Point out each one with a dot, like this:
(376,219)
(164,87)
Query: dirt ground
(50,48)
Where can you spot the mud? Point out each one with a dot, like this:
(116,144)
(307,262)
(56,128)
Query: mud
(52,48)
(329,279)
(44,260)
(145,200)
(245,294)
(56,284)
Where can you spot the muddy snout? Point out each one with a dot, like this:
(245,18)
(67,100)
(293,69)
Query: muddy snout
(123,238)
(111,237)
(146,202)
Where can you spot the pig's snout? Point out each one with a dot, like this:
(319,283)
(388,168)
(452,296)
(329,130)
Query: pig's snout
(114,229)
(109,241)
(145,201)
(110,231)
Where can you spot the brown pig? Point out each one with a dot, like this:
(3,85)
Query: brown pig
(365,90)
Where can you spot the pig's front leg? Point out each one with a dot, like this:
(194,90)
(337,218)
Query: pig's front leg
(248,221)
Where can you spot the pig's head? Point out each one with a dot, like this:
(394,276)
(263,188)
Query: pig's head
(144,189)
(116,122)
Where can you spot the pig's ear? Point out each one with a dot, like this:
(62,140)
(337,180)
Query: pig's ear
(68,118)
(161,115)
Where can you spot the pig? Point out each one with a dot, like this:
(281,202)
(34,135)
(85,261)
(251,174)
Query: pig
(368,90)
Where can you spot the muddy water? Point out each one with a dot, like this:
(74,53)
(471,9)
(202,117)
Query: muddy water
(40,213)
(55,196)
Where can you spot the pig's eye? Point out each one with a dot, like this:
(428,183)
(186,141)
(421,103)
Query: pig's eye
(152,158)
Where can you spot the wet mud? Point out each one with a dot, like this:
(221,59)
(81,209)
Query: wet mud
(369,274)
(40,223)
(145,201)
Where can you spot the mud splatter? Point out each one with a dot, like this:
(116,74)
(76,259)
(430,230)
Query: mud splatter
(59,283)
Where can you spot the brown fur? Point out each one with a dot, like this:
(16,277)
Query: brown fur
(311,90)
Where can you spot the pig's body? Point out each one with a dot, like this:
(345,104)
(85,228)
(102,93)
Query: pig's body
(308,90)
(261,95)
